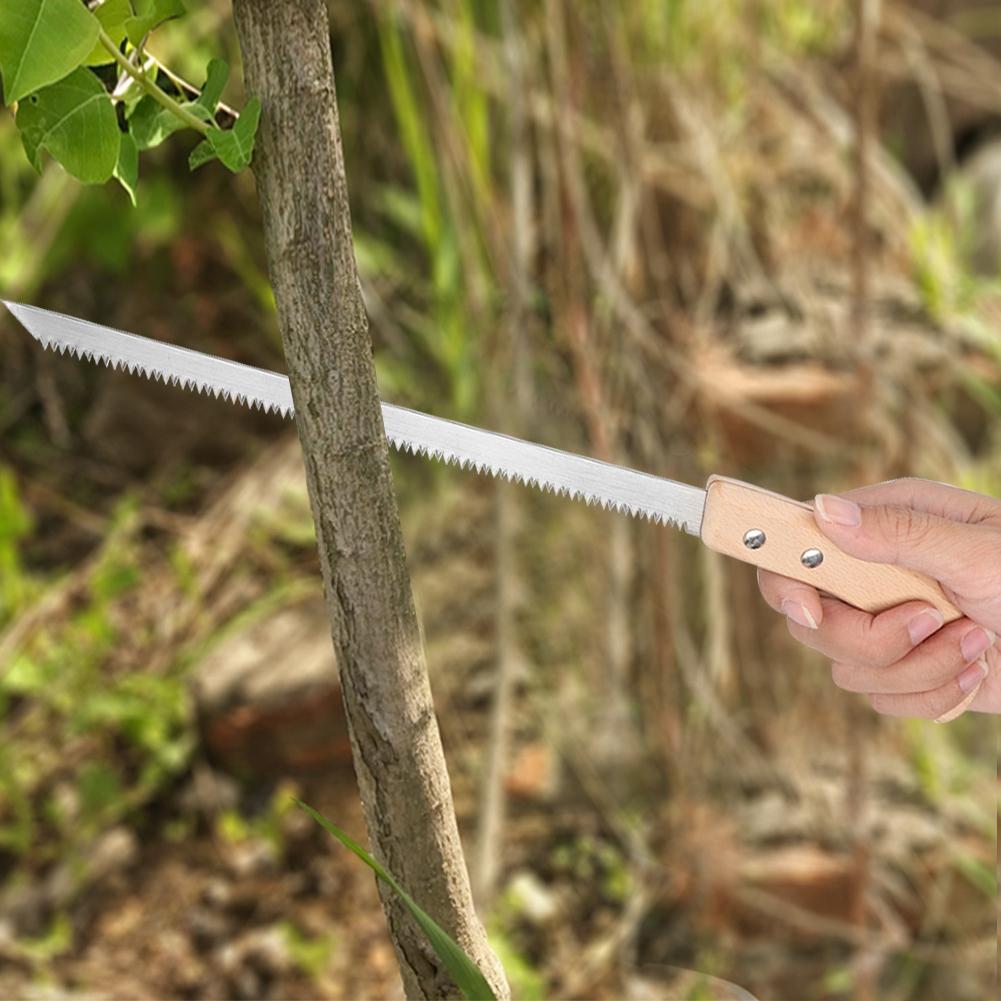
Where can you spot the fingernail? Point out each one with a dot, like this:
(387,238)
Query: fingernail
(799,613)
(972,676)
(969,683)
(927,621)
(838,511)
(977,641)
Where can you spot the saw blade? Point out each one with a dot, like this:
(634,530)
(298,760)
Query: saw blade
(601,483)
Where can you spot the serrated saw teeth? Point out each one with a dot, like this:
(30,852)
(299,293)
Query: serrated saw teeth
(514,476)
(167,378)
(614,488)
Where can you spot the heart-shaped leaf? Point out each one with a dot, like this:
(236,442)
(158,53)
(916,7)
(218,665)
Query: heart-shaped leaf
(74,121)
(41,41)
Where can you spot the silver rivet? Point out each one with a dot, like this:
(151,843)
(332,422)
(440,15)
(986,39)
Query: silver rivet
(754,538)
(812,558)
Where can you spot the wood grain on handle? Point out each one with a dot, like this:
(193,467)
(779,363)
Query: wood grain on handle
(733,508)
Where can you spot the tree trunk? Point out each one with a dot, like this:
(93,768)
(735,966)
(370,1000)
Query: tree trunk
(397,749)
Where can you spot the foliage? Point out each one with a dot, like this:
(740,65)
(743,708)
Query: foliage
(527,983)
(266,825)
(55,941)
(234,146)
(940,248)
(41,41)
(73,121)
(464,971)
(52,57)
(15,524)
(594,861)
(141,716)
(439,218)
(311,954)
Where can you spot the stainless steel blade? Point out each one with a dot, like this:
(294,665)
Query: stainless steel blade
(613,487)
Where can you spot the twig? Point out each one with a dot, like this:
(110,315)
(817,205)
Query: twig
(52,405)
(150,87)
(183,84)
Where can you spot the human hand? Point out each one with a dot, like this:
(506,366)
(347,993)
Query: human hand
(904,659)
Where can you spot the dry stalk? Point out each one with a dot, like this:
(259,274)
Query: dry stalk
(868,959)
(490,836)
(922,68)
(967,71)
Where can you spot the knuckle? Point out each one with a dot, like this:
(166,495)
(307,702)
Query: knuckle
(871,644)
(983,571)
(901,527)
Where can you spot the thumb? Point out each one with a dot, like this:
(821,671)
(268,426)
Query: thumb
(892,533)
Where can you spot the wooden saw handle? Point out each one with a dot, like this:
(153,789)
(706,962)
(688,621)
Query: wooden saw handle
(783,537)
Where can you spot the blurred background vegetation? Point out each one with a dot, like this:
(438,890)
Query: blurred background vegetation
(757,238)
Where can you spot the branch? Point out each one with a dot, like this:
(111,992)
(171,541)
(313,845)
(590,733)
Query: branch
(183,84)
(150,87)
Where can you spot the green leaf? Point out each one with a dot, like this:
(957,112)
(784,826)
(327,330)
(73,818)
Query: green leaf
(148,14)
(201,154)
(41,41)
(112,15)
(235,146)
(150,123)
(99,788)
(216,76)
(464,971)
(127,168)
(74,121)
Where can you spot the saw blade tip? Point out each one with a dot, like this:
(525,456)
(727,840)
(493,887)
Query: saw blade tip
(21,313)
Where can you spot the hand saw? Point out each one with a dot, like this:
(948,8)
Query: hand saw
(734,518)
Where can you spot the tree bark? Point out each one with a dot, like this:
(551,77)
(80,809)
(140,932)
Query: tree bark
(399,761)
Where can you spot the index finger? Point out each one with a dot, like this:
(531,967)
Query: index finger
(932,497)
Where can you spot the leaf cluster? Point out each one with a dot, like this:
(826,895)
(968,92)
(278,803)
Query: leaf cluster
(54,57)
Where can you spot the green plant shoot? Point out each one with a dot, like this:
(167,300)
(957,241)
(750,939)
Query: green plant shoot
(464,971)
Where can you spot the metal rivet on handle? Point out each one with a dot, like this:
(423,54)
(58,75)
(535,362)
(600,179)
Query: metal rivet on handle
(754,538)
(812,558)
